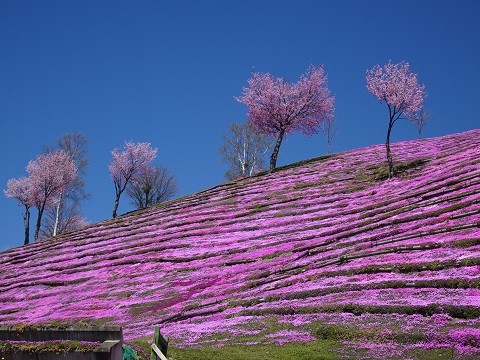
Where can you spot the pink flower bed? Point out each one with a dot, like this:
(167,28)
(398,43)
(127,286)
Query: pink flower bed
(288,245)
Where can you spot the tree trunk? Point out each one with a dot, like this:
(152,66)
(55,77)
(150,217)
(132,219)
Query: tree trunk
(244,160)
(115,206)
(391,170)
(273,158)
(252,166)
(57,216)
(148,199)
(26,224)
(118,192)
(39,221)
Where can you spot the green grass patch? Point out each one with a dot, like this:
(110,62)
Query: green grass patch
(257,208)
(274,255)
(354,333)
(465,243)
(456,311)
(336,332)
(283,213)
(124,294)
(437,354)
(229,201)
(380,172)
(314,350)
(333,341)
(303,185)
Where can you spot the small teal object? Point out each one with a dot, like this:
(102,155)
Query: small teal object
(129,353)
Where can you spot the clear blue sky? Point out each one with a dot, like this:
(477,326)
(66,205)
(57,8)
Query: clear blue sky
(166,72)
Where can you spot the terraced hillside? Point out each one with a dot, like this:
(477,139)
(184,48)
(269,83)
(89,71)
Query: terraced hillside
(325,250)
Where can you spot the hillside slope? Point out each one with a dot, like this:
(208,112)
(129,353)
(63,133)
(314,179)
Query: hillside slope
(323,249)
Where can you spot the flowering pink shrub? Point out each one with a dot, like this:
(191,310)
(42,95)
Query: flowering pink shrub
(466,337)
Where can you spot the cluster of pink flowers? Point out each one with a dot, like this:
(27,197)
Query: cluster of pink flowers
(289,245)
(397,86)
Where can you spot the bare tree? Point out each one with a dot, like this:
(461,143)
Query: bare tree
(152,185)
(69,218)
(244,149)
(329,130)
(420,119)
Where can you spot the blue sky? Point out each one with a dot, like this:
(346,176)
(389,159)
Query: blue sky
(166,72)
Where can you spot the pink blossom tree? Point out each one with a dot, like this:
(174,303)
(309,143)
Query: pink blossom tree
(21,190)
(126,164)
(395,85)
(278,108)
(67,213)
(50,175)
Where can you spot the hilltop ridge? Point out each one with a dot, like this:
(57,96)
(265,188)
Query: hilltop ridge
(321,249)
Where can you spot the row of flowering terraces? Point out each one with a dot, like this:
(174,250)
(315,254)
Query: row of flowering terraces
(326,248)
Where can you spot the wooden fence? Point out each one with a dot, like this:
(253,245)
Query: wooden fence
(110,339)
(159,345)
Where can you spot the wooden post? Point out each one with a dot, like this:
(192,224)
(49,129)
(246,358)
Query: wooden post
(157,353)
(159,346)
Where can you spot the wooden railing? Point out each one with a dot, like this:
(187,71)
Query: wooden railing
(159,345)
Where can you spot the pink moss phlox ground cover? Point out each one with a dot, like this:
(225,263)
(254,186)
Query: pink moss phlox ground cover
(215,268)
